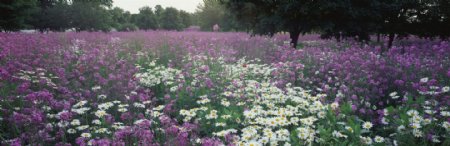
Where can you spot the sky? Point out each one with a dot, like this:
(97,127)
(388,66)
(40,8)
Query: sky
(134,5)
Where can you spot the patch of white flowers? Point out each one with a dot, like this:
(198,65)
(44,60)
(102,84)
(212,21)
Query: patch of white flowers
(36,76)
(156,75)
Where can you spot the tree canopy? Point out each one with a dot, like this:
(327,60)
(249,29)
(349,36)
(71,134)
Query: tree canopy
(146,19)
(170,19)
(344,19)
(212,12)
(15,13)
(81,15)
(357,19)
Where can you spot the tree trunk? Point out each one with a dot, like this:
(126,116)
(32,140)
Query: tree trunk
(294,38)
(391,37)
(378,37)
(391,40)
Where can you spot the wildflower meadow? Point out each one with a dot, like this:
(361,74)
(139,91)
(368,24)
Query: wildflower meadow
(171,88)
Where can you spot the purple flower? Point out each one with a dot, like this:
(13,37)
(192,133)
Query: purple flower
(354,108)
(16,142)
(354,97)
(362,111)
(23,87)
(101,142)
(81,141)
(211,142)
(399,82)
(125,116)
(209,83)
(65,115)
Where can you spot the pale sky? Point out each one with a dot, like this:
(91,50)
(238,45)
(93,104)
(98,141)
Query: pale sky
(134,5)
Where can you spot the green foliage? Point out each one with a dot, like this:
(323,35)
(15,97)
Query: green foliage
(119,18)
(209,14)
(160,18)
(78,14)
(90,16)
(433,17)
(95,15)
(101,3)
(158,11)
(269,17)
(186,18)
(127,27)
(15,13)
(44,19)
(344,19)
(212,12)
(170,19)
(146,19)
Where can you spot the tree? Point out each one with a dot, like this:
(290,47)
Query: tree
(48,12)
(146,19)
(338,19)
(186,19)
(267,17)
(433,19)
(122,20)
(398,18)
(344,19)
(212,12)
(170,19)
(90,16)
(158,12)
(15,13)
(59,15)
(117,17)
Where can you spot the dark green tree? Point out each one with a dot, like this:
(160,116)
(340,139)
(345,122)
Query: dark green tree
(212,12)
(170,19)
(121,20)
(344,19)
(48,12)
(90,16)
(15,13)
(433,19)
(209,13)
(146,19)
(186,19)
(357,19)
(398,18)
(267,17)
(118,17)
(158,12)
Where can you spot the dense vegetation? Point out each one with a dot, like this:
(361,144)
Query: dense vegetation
(99,15)
(199,88)
(81,15)
(332,19)
(357,19)
(160,85)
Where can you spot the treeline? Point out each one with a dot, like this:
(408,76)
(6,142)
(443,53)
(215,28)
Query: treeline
(99,15)
(341,19)
(86,15)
